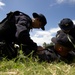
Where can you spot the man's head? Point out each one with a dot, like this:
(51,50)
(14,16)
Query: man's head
(41,18)
(62,44)
(66,24)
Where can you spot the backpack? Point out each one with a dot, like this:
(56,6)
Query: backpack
(6,49)
(9,17)
(8,27)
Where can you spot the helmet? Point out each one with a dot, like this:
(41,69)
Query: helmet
(66,24)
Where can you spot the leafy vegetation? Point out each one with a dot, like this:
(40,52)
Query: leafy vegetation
(24,65)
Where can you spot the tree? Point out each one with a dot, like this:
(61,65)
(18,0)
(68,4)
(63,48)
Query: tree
(45,45)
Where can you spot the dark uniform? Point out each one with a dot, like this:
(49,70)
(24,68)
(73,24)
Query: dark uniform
(67,26)
(52,54)
(71,33)
(14,29)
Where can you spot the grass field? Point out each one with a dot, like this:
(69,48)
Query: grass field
(27,66)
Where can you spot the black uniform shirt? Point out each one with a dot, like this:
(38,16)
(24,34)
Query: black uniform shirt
(23,23)
(51,54)
(72,32)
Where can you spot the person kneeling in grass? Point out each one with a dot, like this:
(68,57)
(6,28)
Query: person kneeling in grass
(62,49)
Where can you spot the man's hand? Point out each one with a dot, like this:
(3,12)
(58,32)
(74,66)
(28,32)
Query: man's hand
(39,48)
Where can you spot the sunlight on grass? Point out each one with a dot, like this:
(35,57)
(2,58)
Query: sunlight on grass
(22,65)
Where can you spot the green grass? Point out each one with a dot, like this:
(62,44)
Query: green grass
(34,68)
(27,66)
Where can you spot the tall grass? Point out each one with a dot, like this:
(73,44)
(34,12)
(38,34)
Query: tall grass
(22,65)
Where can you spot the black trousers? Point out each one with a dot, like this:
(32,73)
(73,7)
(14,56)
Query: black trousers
(7,50)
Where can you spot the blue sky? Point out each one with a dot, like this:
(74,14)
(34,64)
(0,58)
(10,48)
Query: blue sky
(54,10)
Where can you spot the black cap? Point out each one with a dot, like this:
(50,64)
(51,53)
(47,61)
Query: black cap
(66,24)
(63,40)
(42,19)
